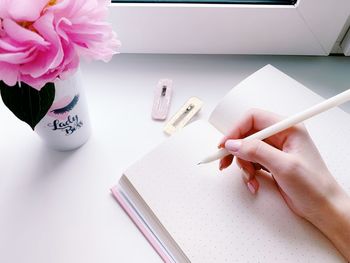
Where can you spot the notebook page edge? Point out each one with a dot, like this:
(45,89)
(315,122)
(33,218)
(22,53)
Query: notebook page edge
(153,224)
(220,109)
(218,117)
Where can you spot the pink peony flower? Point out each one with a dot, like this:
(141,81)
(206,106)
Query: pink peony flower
(41,40)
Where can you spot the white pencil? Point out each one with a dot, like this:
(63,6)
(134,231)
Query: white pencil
(287,123)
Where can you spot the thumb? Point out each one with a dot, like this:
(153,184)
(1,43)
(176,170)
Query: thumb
(257,151)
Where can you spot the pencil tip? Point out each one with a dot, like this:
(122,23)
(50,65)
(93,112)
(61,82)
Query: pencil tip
(199,163)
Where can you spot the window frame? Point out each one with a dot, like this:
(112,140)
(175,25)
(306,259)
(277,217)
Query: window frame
(235,2)
(298,29)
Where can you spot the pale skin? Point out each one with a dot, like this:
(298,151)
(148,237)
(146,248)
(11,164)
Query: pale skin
(296,166)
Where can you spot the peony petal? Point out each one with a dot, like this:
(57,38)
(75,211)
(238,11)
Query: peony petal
(9,73)
(18,57)
(28,10)
(61,72)
(46,59)
(67,8)
(22,35)
(8,45)
(70,68)
(45,26)
(60,25)
(3,9)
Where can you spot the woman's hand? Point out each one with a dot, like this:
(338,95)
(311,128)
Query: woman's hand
(296,166)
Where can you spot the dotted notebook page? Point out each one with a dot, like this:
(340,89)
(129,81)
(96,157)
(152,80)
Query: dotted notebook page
(212,216)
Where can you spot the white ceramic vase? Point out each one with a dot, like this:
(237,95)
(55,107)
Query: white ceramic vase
(66,126)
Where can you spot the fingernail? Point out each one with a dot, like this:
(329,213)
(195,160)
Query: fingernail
(251,188)
(246,176)
(222,142)
(233,145)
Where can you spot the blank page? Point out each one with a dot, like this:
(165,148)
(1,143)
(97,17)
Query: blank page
(211,214)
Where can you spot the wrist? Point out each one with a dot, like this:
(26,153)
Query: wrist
(336,212)
(334,220)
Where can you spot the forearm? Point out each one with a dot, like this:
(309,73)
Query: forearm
(335,222)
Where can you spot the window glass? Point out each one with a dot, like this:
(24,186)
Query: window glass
(256,2)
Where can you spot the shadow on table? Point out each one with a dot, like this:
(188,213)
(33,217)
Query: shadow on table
(48,161)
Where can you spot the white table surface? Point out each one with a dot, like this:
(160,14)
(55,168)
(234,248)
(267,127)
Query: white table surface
(56,207)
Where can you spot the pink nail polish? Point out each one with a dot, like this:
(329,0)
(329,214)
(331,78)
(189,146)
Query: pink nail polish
(233,145)
(251,188)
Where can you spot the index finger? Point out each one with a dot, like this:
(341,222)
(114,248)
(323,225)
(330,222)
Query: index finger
(256,120)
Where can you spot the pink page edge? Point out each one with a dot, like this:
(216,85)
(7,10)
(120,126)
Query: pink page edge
(146,233)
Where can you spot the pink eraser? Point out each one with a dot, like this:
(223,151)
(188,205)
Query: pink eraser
(162,98)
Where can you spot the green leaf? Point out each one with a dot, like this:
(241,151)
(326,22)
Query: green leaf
(27,103)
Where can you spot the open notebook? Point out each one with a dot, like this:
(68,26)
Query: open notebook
(192,213)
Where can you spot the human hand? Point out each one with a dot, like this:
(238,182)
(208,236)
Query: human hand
(295,165)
